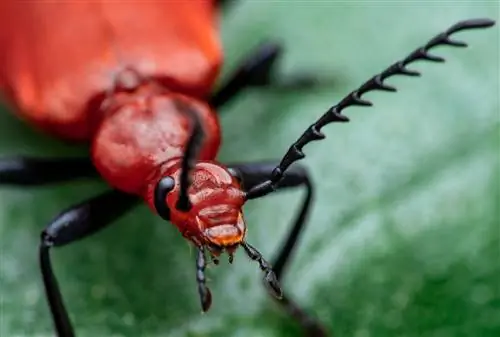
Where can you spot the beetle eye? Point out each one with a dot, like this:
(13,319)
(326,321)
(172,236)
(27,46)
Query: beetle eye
(236,173)
(164,186)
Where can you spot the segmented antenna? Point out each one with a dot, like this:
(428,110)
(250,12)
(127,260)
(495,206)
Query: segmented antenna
(189,159)
(333,114)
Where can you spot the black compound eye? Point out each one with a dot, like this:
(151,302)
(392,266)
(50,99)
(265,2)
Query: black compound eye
(236,173)
(164,186)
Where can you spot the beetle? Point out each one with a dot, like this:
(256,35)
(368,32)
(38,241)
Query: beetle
(143,98)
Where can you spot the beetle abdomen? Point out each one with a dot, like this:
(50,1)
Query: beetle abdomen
(51,74)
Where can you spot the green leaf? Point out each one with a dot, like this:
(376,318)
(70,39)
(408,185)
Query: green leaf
(404,235)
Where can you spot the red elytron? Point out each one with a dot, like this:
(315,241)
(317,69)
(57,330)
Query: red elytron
(136,82)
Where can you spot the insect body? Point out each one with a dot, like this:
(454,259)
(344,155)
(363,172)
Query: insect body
(135,82)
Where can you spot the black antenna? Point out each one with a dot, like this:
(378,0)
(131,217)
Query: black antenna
(167,184)
(189,159)
(333,114)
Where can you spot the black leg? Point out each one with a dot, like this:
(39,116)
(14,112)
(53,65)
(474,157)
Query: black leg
(73,224)
(24,171)
(224,3)
(258,69)
(251,174)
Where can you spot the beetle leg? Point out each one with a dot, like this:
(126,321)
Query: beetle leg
(224,3)
(251,174)
(258,70)
(73,224)
(26,171)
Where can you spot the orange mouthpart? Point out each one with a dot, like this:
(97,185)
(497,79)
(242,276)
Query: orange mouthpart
(224,235)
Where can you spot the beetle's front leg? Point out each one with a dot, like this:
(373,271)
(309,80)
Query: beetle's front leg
(31,171)
(73,224)
(252,174)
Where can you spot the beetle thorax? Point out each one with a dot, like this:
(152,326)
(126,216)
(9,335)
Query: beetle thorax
(142,129)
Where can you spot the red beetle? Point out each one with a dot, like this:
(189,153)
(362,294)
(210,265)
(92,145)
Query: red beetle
(136,81)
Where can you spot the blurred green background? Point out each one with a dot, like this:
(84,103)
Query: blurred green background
(404,235)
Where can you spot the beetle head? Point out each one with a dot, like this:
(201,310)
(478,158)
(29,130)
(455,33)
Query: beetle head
(214,216)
